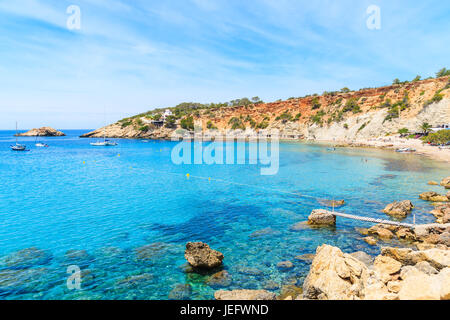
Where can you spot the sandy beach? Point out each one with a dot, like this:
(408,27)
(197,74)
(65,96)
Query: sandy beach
(396,142)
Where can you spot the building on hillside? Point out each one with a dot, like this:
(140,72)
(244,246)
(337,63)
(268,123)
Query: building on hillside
(166,114)
(441,127)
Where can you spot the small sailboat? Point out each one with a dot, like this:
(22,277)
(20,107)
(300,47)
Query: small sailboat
(17,146)
(104,143)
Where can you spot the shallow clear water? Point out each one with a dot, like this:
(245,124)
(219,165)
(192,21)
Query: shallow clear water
(72,196)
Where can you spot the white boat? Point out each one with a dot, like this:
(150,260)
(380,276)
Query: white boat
(18,146)
(41,145)
(104,143)
(405,150)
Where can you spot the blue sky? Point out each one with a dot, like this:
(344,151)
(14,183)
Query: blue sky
(133,56)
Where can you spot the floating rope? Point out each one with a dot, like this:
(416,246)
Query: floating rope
(373,220)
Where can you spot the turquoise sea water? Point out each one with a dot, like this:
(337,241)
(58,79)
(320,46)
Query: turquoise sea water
(73,196)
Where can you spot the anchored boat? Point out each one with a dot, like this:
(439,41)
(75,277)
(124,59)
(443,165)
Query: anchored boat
(18,146)
(104,143)
(405,150)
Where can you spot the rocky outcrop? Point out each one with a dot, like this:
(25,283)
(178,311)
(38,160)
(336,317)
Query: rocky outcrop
(335,275)
(397,273)
(321,217)
(399,209)
(383,232)
(436,234)
(446,183)
(299,118)
(442,213)
(244,295)
(42,132)
(200,255)
(433,196)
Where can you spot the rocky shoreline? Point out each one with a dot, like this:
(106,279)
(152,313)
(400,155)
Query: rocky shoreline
(397,273)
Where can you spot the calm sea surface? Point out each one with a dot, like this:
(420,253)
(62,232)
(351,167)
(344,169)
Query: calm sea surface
(124,214)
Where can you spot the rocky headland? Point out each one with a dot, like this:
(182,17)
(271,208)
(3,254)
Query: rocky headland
(365,118)
(42,132)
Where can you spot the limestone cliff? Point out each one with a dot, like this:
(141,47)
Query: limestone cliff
(343,115)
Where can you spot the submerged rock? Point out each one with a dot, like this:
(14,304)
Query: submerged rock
(285,265)
(20,281)
(200,255)
(134,282)
(432,183)
(151,251)
(78,257)
(271,285)
(244,295)
(299,226)
(306,257)
(181,292)
(320,217)
(332,203)
(264,232)
(27,258)
(399,209)
(250,271)
(290,291)
(221,279)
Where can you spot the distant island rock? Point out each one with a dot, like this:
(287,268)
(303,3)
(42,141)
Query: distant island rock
(42,132)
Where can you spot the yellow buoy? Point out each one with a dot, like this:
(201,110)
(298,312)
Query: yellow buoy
(118,155)
(84,162)
(188,175)
(209,179)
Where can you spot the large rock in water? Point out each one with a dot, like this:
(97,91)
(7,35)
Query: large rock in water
(399,209)
(446,183)
(244,295)
(200,255)
(320,217)
(433,196)
(335,275)
(42,132)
